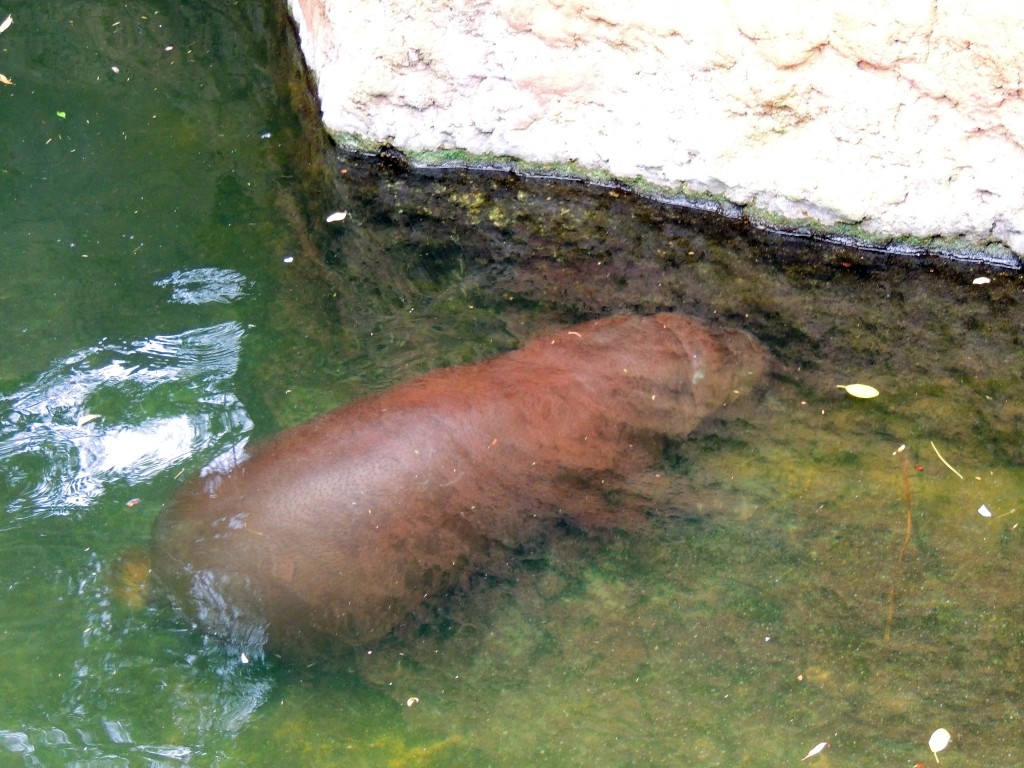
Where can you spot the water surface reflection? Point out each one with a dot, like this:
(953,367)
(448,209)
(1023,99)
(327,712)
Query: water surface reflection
(119,413)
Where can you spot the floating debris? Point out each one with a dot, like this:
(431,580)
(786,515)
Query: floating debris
(337,216)
(984,511)
(6,23)
(817,749)
(863,391)
(997,517)
(948,465)
(939,741)
(981,281)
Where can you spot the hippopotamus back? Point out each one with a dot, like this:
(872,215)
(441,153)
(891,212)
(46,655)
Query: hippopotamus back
(339,530)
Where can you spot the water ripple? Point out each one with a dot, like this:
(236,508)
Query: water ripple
(205,285)
(118,413)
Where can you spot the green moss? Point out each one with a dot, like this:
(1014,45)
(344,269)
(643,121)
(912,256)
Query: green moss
(842,233)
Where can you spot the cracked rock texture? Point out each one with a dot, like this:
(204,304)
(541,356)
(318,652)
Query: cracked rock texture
(902,119)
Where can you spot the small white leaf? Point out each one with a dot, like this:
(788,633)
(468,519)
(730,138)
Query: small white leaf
(862,391)
(83,420)
(337,216)
(6,23)
(817,749)
(984,511)
(938,742)
(981,281)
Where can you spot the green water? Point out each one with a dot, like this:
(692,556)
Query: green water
(160,308)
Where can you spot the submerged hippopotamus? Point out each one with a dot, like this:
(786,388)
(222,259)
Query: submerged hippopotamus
(338,531)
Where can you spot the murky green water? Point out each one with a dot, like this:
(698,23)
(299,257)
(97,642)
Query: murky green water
(160,309)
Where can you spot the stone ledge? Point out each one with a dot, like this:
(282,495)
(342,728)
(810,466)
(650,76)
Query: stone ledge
(994,254)
(842,122)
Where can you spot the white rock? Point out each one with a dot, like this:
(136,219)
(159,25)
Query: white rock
(905,120)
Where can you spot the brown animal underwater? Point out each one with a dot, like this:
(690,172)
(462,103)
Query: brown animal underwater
(338,532)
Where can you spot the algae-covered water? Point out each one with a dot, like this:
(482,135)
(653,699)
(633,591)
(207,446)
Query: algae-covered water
(170,290)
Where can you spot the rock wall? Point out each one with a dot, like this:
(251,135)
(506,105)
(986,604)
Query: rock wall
(868,119)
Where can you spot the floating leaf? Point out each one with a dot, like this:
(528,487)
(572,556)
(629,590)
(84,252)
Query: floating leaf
(862,391)
(85,419)
(938,742)
(6,80)
(981,281)
(62,115)
(817,749)
(338,216)
(6,23)
(984,511)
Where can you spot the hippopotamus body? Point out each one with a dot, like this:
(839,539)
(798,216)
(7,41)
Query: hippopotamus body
(342,529)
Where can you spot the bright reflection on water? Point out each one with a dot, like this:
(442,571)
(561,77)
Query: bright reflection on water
(119,413)
(202,286)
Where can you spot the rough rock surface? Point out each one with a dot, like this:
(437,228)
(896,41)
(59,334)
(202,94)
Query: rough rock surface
(901,120)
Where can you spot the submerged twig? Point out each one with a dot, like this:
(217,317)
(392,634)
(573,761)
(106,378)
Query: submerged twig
(948,465)
(905,464)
